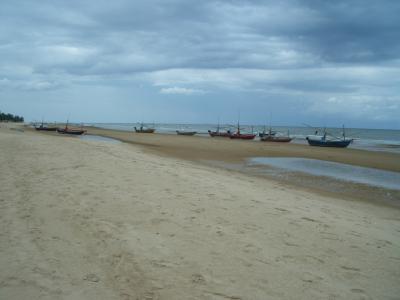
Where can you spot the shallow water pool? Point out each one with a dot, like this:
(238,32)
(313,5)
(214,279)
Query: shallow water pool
(370,176)
(99,138)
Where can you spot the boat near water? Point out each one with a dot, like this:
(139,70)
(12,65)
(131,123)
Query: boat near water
(273,136)
(242,136)
(329,141)
(44,127)
(219,133)
(144,129)
(189,133)
(73,131)
(266,133)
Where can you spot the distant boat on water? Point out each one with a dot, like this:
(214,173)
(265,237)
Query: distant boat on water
(329,141)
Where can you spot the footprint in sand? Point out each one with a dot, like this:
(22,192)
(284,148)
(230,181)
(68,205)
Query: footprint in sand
(91,277)
(198,279)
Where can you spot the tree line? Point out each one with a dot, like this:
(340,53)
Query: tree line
(10,118)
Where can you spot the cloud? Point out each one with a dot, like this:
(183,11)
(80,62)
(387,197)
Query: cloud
(180,91)
(315,50)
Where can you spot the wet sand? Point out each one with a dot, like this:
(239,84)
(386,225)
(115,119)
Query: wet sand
(97,220)
(233,154)
(199,148)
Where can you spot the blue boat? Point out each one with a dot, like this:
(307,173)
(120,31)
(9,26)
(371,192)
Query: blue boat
(324,141)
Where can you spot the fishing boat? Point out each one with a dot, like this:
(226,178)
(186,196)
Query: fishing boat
(144,129)
(44,127)
(181,132)
(273,136)
(329,141)
(265,132)
(67,130)
(218,133)
(242,136)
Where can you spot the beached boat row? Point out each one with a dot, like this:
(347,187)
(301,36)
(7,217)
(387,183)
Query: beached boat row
(324,140)
(64,130)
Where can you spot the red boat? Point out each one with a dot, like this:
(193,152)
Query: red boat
(242,136)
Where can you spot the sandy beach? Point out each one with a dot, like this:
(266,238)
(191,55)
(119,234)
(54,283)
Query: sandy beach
(199,148)
(147,219)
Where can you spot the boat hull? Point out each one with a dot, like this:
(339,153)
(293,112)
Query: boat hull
(241,136)
(46,128)
(276,139)
(186,132)
(327,143)
(71,131)
(219,134)
(150,130)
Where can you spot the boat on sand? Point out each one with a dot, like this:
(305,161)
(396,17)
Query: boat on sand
(67,130)
(327,140)
(144,129)
(273,136)
(45,127)
(181,132)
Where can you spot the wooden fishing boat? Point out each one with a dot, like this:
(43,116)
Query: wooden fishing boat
(274,138)
(71,131)
(326,141)
(67,130)
(323,142)
(242,136)
(44,127)
(219,133)
(180,132)
(144,129)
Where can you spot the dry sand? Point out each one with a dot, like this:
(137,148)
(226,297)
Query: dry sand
(96,220)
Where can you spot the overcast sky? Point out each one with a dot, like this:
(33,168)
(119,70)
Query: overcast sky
(318,62)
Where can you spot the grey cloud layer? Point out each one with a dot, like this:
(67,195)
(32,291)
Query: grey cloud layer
(343,48)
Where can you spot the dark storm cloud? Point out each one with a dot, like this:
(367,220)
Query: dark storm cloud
(126,36)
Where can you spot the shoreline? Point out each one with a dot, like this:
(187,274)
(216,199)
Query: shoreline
(219,153)
(231,155)
(197,148)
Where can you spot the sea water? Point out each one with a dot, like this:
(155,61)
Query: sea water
(369,176)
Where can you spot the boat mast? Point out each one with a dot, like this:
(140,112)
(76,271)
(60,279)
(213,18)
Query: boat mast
(344,134)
